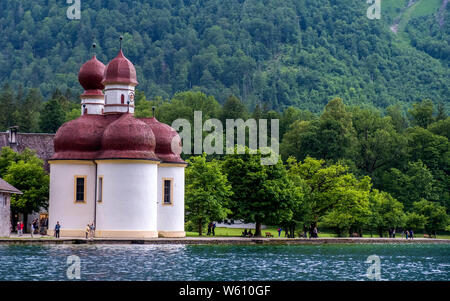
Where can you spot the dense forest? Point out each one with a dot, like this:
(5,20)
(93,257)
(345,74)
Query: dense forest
(302,53)
(350,169)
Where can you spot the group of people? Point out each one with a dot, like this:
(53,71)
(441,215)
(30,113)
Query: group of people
(405,234)
(211,229)
(19,228)
(247,234)
(408,234)
(90,231)
(34,227)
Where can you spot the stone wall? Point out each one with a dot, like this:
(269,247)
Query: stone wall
(5,215)
(41,143)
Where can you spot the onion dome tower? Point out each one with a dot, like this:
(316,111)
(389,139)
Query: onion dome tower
(90,77)
(120,81)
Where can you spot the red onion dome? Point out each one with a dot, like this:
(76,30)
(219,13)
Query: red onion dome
(128,138)
(120,71)
(91,76)
(168,142)
(80,139)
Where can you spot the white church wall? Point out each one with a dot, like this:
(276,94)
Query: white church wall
(113,98)
(73,216)
(94,106)
(171,217)
(128,207)
(5,215)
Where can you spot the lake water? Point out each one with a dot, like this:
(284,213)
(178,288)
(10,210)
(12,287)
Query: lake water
(226,262)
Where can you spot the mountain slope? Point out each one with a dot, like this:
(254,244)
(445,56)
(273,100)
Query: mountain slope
(301,53)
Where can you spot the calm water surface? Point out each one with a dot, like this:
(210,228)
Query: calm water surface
(226,262)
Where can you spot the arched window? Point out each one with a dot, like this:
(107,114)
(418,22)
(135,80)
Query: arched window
(122,99)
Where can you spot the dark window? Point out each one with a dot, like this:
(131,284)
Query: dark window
(167,191)
(122,99)
(80,190)
(100,189)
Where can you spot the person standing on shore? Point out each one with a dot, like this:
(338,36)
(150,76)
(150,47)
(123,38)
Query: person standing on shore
(214,229)
(18,229)
(209,229)
(32,229)
(316,235)
(279,231)
(411,234)
(57,228)
(87,230)
(393,233)
(92,230)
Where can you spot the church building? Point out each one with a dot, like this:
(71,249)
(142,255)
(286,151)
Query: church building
(122,173)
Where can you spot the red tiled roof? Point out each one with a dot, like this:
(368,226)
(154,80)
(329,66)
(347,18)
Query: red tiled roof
(116,136)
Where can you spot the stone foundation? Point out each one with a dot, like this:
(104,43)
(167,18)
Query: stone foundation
(172,234)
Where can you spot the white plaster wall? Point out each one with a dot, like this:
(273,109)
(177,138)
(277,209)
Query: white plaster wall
(62,206)
(113,95)
(5,215)
(94,105)
(119,109)
(171,217)
(129,197)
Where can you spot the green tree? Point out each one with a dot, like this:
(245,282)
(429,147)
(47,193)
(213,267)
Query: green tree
(398,119)
(52,116)
(336,133)
(207,192)
(30,178)
(435,215)
(415,221)
(28,117)
(261,193)
(385,212)
(233,108)
(421,114)
(415,184)
(378,144)
(441,113)
(327,187)
(7,107)
(441,127)
(8,156)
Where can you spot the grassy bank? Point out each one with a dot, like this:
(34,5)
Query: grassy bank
(236,232)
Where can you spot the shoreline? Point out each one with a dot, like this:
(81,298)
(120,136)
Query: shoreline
(219,241)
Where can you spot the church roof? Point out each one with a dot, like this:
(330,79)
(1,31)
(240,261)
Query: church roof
(8,188)
(117,136)
(120,71)
(90,76)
